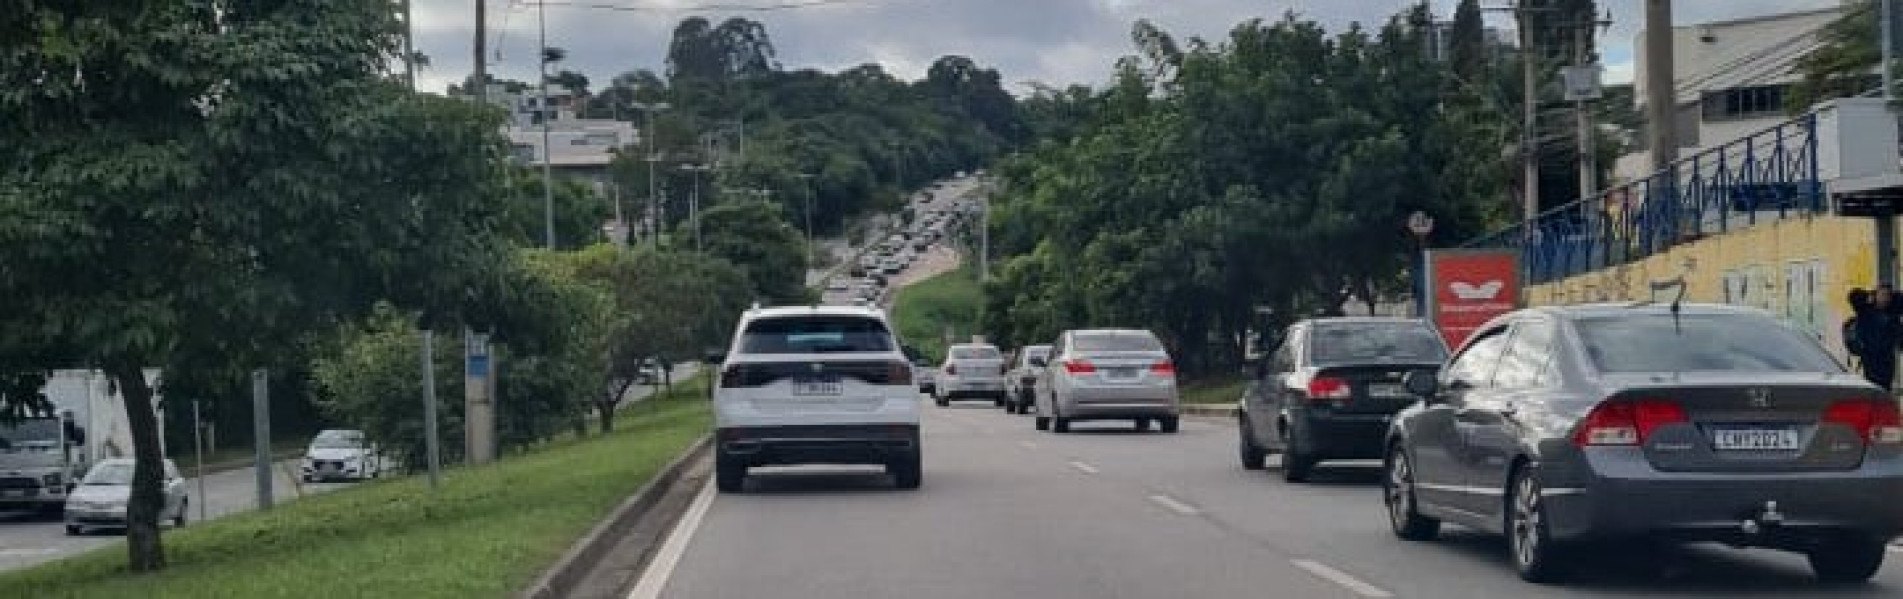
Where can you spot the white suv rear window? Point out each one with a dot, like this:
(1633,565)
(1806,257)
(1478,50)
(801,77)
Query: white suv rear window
(815,335)
(976,353)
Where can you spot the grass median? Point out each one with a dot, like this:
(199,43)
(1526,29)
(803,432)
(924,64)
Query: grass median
(1215,390)
(487,532)
(923,311)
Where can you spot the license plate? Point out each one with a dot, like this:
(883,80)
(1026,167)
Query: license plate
(818,388)
(1120,373)
(1386,390)
(1754,439)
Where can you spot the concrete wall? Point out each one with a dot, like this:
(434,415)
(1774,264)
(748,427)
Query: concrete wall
(1798,268)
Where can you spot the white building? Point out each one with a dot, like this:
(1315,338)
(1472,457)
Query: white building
(1732,79)
(576,146)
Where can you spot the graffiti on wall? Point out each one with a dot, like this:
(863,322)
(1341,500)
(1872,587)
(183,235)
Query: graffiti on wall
(1796,292)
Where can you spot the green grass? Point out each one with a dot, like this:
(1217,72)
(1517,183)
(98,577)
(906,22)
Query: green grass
(923,310)
(487,532)
(1217,390)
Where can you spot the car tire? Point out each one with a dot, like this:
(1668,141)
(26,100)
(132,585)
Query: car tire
(1529,542)
(1253,456)
(1847,559)
(1142,424)
(1042,423)
(1170,424)
(997,402)
(942,401)
(1296,466)
(729,476)
(907,472)
(1397,492)
(74,530)
(1060,424)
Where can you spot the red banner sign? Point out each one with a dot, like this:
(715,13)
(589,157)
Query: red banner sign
(1470,288)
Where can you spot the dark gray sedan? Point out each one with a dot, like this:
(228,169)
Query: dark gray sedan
(1556,426)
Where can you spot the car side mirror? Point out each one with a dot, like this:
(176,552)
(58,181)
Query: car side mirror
(1424,385)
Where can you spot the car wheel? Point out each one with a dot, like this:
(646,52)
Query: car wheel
(74,530)
(1849,558)
(184,505)
(1296,466)
(1253,456)
(1171,424)
(942,401)
(729,476)
(907,472)
(1529,544)
(1060,424)
(1142,424)
(1042,423)
(1397,490)
(997,402)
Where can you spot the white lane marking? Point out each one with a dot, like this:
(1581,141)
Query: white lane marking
(655,578)
(1340,578)
(1082,467)
(1174,505)
(1028,444)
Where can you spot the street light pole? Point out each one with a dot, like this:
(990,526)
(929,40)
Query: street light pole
(1421,225)
(807,179)
(648,138)
(548,151)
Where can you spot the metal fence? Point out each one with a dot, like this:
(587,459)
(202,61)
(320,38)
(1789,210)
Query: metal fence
(1769,175)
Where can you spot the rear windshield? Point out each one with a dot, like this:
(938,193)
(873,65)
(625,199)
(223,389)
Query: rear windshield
(815,335)
(1115,341)
(1702,342)
(976,352)
(1036,352)
(1377,342)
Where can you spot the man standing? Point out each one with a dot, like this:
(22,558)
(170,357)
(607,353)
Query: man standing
(1877,335)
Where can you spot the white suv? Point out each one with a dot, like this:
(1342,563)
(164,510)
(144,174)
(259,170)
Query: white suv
(815,385)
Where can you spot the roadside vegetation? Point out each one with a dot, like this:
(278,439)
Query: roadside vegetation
(487,532)
(925,310)
(1221,389)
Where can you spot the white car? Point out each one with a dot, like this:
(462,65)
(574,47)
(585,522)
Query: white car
(341,454)
(1108,374)
(814,385)
(100,499)
(972,371)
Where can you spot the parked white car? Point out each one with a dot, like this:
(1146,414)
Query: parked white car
(100,499)
(341,454)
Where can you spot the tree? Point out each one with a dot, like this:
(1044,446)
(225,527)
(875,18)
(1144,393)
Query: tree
(1845,61)
(579,211)
(738,47)
(203,192)
(570,80)
(755,236)
(1467,48)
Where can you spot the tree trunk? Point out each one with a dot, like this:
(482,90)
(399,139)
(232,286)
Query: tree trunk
(145,553)
(606,411)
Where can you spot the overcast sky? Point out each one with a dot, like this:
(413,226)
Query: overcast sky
(1050,41)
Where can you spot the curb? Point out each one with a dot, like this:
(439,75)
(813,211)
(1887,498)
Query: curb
(560,579)
(1209,410)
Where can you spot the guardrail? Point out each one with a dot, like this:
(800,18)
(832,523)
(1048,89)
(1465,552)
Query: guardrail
(1766,176)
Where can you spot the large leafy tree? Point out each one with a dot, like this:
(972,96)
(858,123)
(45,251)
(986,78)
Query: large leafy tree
(195,180)
(755,235)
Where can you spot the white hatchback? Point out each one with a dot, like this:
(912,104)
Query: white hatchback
(815,385)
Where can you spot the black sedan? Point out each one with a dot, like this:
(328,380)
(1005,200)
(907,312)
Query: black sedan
(1646,423)
(1328,392)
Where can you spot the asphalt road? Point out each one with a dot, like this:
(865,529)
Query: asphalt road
(1006,511)
(27,539)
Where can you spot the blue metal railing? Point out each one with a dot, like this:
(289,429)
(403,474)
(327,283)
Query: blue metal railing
(1766,176)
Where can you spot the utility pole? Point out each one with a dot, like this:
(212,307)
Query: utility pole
(1888,36)
(261,433)
(431,444)
(1661,105)
(409,46)
(482,46)
(1529,124)
(648,138)
(1582,86)
(548,151)
(807,180)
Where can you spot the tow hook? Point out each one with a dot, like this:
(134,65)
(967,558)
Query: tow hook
(1768,517)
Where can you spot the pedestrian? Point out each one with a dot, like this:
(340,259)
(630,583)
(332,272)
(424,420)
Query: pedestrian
(1859,302)
(1876,332)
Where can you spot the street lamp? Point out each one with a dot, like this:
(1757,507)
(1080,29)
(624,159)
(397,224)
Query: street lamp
(807,179)
(693,199)
(1421,225)
(648,137)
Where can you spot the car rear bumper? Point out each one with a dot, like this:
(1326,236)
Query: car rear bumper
(972,387)
(1137,402)
(1335,436)
(1717,507)
(98,519)
(818,444)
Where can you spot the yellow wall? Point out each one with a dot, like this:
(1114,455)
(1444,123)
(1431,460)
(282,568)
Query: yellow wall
(1768,266)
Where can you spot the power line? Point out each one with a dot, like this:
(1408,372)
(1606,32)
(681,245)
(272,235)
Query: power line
(770,7)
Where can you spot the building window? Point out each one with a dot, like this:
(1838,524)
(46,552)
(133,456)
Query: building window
(1744,103)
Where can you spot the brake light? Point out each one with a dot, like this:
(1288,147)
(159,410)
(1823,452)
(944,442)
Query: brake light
(1876,420)
(1079,367)
(898,373)
(1324,388)
(1627,422)
(1166,368)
